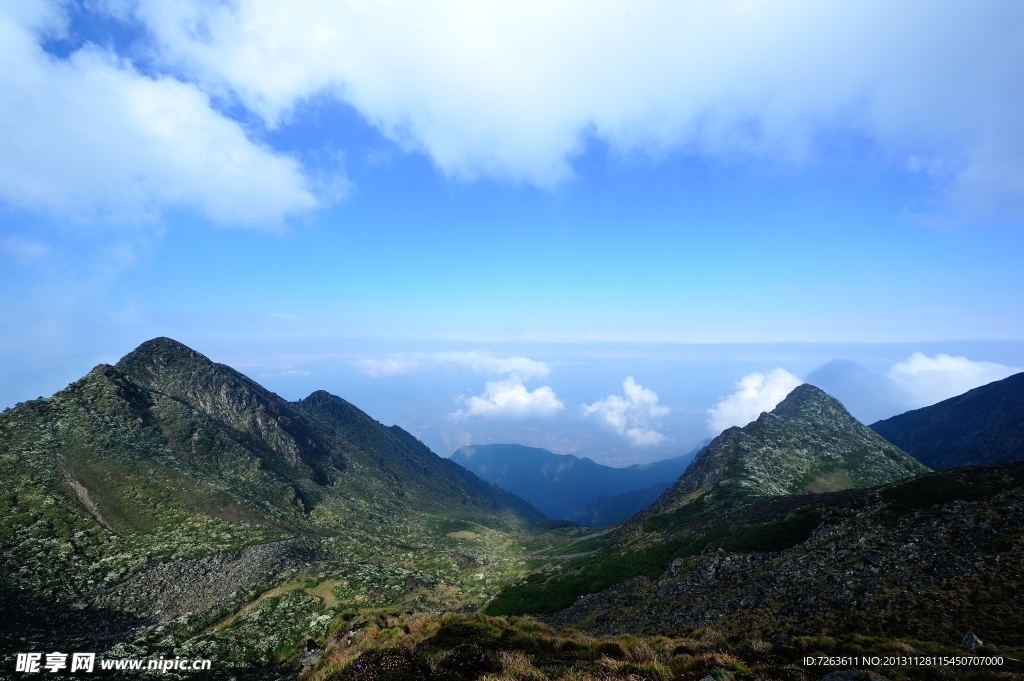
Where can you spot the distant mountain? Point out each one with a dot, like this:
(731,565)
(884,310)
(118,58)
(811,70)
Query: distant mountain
(559,483)
(984,425)
(808,443)
(607,510)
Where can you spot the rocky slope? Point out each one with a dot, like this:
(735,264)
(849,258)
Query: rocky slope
(168,491)
(928,558)
(984,425)
(808,443)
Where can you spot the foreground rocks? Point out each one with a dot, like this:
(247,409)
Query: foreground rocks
(930,573)
(166,591)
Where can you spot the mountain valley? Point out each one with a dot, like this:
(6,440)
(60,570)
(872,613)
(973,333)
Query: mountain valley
(168,506)
(563,485)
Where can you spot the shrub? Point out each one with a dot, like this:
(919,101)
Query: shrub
(778,535)
(927,490)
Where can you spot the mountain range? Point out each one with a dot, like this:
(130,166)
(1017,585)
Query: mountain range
(560,484)
(168,485)
(170,507)
(808,443)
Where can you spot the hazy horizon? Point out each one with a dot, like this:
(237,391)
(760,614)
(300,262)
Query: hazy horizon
(573,398)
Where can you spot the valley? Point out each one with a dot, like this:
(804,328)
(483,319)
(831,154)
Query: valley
(168,506)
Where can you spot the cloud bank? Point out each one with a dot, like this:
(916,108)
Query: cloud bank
(755,393)
(632,415)
(515,90)
(520,367)
(91,137)
(506,398)
(928,380)
(510,399)
(507,90)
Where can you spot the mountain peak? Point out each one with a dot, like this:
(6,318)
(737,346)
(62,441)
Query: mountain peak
(165,365)
(162,350)
(808,403)
(808,443)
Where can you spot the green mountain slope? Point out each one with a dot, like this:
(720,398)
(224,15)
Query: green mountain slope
(165,473)
(929,558)
(984,425)
(808,444)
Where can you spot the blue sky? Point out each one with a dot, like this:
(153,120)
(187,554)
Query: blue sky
(392,204)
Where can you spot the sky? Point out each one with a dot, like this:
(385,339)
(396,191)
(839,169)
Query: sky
(606,228)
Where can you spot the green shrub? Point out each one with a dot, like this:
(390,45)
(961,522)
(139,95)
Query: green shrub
(927,490)
(778,535)
(547,592)
(667,521)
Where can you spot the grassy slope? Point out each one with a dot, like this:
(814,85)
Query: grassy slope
(169,458)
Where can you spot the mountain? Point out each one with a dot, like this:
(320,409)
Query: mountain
(808,443)
(168,485)
(761,473)
(607,510)
(559,483)
(984,425)
(912,560)
(168,424)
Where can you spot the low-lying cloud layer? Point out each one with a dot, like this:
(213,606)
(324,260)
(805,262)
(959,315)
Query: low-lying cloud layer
(510,399)
(755,393)
(507,398)
(633,415)
(927,380)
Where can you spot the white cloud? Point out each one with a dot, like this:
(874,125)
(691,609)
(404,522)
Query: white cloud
(507,397)
(633,414)
(932,379)
(387,367)
(514,89)
(90,136)
(521,367)
(755,393)
(510,399)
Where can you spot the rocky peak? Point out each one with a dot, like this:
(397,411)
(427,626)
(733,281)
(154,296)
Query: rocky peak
(813,406)
(166,366)
(808,443)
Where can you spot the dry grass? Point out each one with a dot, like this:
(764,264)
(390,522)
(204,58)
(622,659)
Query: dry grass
(640,653)
(759,646)
(526,650)
(516,665)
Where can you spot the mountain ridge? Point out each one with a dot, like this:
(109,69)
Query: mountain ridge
(808,443)
(984,425)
